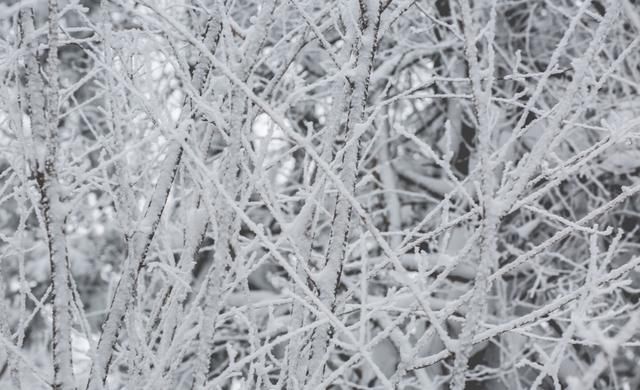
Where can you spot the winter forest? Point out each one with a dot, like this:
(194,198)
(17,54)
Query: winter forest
(319,194)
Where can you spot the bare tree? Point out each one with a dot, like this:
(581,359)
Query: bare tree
(395,194)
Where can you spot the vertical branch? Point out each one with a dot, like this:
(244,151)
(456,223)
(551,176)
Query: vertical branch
(388,178)
(329,279)
(43,105)
(490,218)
